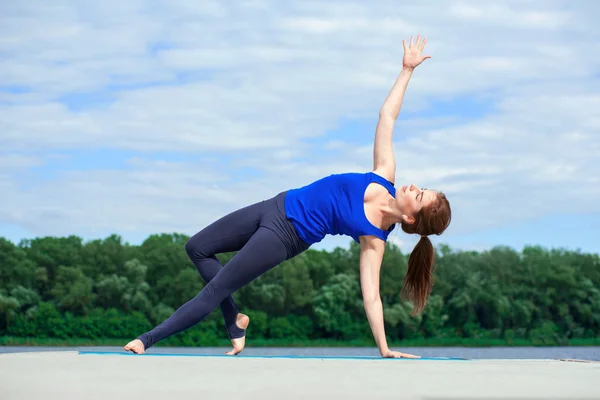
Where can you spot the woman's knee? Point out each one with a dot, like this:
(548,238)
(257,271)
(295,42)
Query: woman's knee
(196,248)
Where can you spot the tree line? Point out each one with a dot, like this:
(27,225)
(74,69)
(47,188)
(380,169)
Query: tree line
(66,288)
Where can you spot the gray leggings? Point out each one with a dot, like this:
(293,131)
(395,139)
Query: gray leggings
(263,238)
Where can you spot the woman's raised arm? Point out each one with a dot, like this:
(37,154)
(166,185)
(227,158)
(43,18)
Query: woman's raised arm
(384,162)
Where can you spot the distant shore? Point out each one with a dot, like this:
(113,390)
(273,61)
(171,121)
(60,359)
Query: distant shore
(446,342)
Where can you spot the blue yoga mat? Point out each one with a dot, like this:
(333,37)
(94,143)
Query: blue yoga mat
(123,353)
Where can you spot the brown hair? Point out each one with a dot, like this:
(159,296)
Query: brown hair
(431,220)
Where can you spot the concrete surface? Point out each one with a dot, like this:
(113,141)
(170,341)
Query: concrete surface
(69,375)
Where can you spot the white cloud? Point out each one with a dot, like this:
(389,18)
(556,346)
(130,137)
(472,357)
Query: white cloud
(507,14)
(258,81)
(18,161)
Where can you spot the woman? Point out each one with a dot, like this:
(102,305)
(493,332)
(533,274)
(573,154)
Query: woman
(365,207)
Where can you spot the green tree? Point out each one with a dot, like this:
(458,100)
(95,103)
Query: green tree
(65,288)
(72,290)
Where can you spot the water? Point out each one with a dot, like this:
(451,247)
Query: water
(584,353)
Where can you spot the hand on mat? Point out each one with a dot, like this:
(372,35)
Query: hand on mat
(412,53)
(397,354)
(135,346)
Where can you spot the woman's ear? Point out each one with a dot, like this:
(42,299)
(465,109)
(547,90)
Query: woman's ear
(408,219)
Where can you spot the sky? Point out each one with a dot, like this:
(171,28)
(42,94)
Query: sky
(144,117)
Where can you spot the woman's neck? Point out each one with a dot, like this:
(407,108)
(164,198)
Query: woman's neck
(391,212)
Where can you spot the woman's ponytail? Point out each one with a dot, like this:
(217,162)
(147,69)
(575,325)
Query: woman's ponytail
(419,277)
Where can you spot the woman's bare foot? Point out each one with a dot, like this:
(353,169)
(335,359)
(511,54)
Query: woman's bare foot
(136,346)
(242,321)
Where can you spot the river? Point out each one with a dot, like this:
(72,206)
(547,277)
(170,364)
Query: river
(587,353)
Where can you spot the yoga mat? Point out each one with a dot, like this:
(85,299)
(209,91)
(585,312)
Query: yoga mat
(124,353)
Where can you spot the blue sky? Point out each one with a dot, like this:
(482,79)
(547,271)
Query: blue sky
(181,114)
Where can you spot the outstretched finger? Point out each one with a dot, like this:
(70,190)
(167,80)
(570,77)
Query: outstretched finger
(411,42)
(423,44)
(404,45)
(410,356)
(417,45)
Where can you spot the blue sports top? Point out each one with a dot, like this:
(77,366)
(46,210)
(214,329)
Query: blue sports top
(334,205)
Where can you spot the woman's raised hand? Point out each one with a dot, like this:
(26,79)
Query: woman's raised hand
(412,53)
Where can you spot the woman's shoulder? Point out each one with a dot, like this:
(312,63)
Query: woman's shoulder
(381,176)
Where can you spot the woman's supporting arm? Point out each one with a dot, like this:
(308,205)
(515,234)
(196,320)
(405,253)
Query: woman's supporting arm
(371,257)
